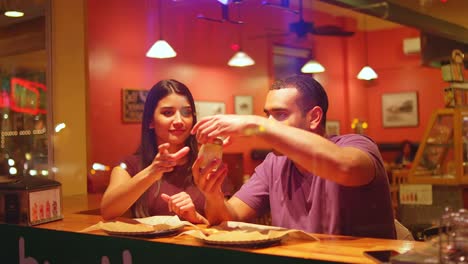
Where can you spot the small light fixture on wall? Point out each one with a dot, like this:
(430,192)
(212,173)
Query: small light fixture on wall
(161,49)
(312,66)
(366,73)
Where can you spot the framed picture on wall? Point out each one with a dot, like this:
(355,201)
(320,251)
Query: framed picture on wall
(243,104)
(400,109)
(133,102)
(206,108)
(332,127)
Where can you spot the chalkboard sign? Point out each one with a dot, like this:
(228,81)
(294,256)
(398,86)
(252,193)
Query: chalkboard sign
(133,102)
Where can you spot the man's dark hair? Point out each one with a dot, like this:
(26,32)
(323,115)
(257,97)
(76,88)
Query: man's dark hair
(311,93)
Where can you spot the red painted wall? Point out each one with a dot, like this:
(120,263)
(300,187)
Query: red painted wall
(121,31)
(400,73)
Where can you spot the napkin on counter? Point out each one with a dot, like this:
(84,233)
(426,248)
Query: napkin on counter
(232,231)
(139,223)
(172,220)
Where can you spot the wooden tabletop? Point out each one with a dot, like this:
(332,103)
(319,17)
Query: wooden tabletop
(82,211)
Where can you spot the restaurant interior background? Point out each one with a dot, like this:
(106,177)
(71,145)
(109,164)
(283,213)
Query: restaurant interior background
(69,64)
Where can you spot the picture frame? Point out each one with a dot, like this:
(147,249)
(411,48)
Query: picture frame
(133,103)
(208,108)
(243,104)
(332,127)
(400,109)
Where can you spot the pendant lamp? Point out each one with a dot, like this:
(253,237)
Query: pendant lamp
(11,8)
(13,13)
(312,66)
(240,58)
(366,73)
(161,49)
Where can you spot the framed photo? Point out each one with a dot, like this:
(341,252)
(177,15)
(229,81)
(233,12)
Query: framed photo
(243,104)
(133,102)
(332,127)
(204,108)
(400,109)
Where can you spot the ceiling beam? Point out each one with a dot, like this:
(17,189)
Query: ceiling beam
(23,37)
(407,17)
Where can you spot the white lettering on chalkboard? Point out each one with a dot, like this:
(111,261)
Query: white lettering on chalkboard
(126,256)
(22,255)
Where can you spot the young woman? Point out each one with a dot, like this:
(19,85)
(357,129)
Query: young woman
(157,179)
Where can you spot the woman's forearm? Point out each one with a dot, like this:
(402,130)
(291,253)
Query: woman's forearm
(122,194)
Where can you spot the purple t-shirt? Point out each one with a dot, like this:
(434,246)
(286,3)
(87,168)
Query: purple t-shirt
(170,184)
(317,205)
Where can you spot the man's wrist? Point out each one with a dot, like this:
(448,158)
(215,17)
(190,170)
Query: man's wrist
(256,128)
(219,195)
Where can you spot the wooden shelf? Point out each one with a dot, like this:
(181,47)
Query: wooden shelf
(443,153)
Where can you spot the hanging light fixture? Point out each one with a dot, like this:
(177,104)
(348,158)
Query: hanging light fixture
(225,2)
(13,13)
(240,58)
(366,73)
(161,49)
(312,66)
(10,10)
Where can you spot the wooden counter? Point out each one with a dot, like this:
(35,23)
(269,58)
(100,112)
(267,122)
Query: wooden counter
(61,242)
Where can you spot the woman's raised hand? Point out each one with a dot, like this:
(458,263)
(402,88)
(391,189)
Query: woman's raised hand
(165,161)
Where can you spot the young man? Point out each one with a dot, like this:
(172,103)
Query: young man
(320,184)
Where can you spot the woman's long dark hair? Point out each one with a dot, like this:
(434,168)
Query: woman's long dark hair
(160,90)
(148,148)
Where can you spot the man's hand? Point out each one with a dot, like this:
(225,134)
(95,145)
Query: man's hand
(224,126)
(209,179)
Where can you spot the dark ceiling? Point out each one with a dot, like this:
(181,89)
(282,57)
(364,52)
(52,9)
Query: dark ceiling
(453,11)
(31,9)
(447,18)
